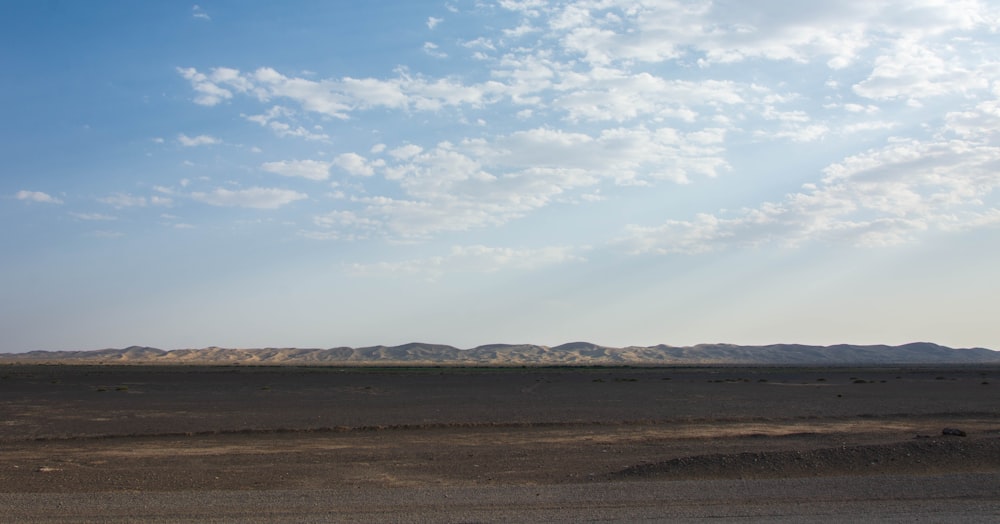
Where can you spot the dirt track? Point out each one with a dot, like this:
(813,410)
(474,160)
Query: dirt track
(185,430)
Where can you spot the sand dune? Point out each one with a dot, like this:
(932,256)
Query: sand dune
(574,353)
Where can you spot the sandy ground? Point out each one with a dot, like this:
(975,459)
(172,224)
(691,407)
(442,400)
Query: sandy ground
(173,444)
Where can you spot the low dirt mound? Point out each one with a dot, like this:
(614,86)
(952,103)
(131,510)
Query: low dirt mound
(919,456)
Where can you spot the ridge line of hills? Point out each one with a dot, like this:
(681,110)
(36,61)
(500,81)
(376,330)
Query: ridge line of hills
(573,353)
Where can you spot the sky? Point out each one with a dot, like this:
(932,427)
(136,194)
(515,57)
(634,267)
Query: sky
(331,173)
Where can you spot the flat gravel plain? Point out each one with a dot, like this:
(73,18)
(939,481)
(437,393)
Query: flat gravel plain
(320,444)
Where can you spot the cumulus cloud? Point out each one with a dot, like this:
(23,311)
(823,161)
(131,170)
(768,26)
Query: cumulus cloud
(434,50)
(194,141)
(914,71)
(337,98)
(198,13)
(356,164)
(253,197)
(480,183)
(885,196)
(37,196)
(308,169)
(209,93)
(93,216)
(123,200)
(276,118)
(730,31)
(639,94)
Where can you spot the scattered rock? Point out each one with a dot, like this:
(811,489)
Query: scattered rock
(46,469)
(907,457)
(952,432)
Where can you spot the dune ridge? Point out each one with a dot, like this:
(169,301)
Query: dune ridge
(573,353)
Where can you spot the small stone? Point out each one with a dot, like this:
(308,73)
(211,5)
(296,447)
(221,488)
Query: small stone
(952,432)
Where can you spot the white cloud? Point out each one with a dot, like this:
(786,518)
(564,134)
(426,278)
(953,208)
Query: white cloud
(198,13)
(632,94)
(407,151)
(731,31)
(354,164)
(208,92)
(861,127)
(309,169)
(626,155)
(285,130)
(122,200)
(480,43)
(916,71)
(160,201)
(271,120)
(271,114)
(432,49)
(480,183)
(473,259)
(524,29)
(318,97)
(885,196)
(798,132)
(194,141)
(93,216)
(433,22)
(341,225)
(253,197)
(37,196)
(858,108)
(974,123)
(337,98)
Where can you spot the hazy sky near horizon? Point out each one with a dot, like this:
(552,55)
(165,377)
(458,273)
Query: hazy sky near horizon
(327,173)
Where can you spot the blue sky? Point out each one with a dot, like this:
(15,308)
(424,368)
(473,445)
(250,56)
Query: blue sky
(317,174)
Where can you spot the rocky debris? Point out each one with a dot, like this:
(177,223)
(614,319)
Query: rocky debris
(907,457)
(952,432)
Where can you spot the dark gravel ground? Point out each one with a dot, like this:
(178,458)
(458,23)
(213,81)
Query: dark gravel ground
(149,430)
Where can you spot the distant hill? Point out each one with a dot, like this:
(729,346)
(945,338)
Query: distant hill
(574,354)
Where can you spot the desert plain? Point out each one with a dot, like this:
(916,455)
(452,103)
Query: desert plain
(237,443)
